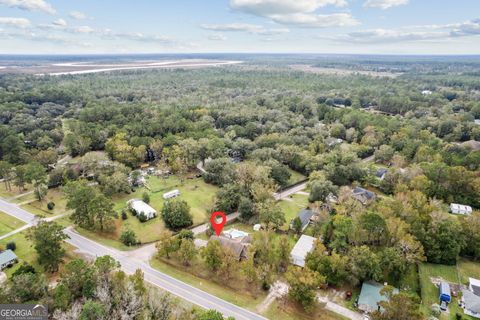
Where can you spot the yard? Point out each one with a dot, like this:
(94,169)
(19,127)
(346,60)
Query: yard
(292,206)
(430,292)
(295,177)
(9,223)
(195,192)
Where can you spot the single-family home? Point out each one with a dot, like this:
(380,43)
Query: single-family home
(470,303)
(7,259)
(381,173)
(236,247)
(299,252)
(474,286)
(171,194)
(363,195)
(332,142)
(141,208)
(445,294)
(304,216)
(371,295)
(456,208)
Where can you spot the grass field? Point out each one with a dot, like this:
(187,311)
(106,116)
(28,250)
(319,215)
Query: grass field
(9,223)
(468,269)
(430,291)
(291,208)
(237,296)
(295,176)
(4,193)
(195,192)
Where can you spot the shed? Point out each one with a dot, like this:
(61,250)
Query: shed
(299,252)
(371,295)
(456,208)
(445,294)
(171,194)
(304,215)
(7,259)
(141,208)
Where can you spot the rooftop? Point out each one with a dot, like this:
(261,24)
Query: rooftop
(370,296)
(472,301)
(303,246)
(7,256)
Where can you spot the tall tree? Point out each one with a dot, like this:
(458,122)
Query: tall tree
(48,239)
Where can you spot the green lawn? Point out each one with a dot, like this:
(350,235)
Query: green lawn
(195,192)
(24,251)
(9,223)
(237,297)
(468,269)
(40,207)
(291,208)
(4,193)
(430,291)
(295,176)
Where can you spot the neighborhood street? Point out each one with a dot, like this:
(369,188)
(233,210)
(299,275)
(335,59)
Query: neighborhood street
(16,212)
(176,287)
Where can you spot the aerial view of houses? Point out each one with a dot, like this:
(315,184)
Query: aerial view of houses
(240,159)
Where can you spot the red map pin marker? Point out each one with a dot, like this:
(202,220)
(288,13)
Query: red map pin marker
(218,226)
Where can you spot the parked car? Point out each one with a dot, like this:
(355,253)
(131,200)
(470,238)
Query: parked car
(443,306)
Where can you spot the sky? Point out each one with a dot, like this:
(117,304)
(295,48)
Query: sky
(251,26)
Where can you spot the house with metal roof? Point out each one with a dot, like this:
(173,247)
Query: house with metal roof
(304,215)
(141,208)
(371,295)
(7,259)
(471,303)
(363,195)
(456,208)
(299,252)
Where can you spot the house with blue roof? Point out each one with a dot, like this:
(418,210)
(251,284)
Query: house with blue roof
(7,259)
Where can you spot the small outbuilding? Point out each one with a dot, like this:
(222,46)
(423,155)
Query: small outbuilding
(445,294)
(304,215)
(7,259)
(456,208)
(299,252)
(141,208)
(371,295)
(171,194)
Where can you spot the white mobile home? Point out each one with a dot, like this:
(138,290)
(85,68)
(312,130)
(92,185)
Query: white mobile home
(456,208)
(141,208)
(7,259)
(299,252)
(171,194)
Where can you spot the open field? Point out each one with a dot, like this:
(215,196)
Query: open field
(195,192)
(287,311)
(342,72)
(9,223)
(58,69)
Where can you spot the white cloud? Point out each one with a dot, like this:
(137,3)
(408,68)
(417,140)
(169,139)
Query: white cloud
(384,4)
(60,23)
(269,7)
(78,15)
(301,13)
(15,22)
(217,37)
(30,5)
(83,29)
(244,27)
(317,21)
(412,33)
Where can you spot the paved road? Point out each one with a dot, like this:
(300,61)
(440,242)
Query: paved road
(176,287)
(287,192)
(17,212)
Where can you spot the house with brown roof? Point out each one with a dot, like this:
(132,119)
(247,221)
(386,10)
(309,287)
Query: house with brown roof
(236,246)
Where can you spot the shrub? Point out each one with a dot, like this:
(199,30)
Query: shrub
(24,269)
(128,238)
(146,197)
(142,217)
(176,214)
(11,246)
(50,205)
(186,234)
(124,215)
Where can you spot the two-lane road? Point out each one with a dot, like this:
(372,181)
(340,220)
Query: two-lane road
(176,287)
